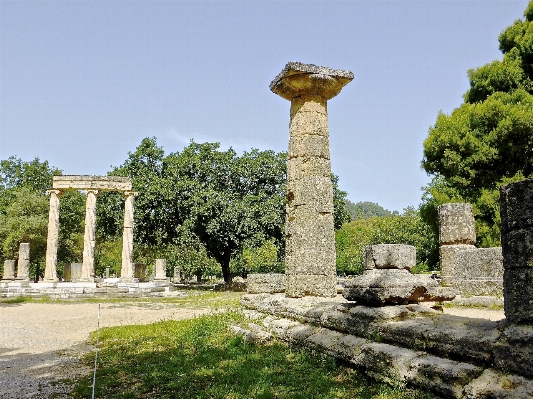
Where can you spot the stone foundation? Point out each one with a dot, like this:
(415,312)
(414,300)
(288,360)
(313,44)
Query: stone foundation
(452,356)
(266,283)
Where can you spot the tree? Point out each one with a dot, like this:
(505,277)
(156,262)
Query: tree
(407,228)
(365,210)
(488,140)
(203,197)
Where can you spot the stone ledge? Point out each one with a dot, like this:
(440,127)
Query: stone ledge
(505,347)
(385,362)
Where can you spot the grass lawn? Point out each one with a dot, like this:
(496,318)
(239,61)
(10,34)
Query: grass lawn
(201,358)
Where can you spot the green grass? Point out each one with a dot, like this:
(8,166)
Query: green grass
(200,358)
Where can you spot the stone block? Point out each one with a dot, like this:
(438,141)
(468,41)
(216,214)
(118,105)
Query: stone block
(379,287)
(518,295)
(298,285)
(302,105)
(308,146)
(389,256)
(160,269)
(72,272)
(516,206)
(514,351)
(491,384)
(84,182)
(447,262)
(313,193)
(140,271)
(266,282)
(9,269)
(517,248)
(299,167)
(456,224)
(23,263)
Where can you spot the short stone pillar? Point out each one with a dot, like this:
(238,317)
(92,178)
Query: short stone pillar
(89,238)
(127,272)
(107,269)
(310,241)
(160,269)
(9,269)
(52,242)
(516,210)
(72,272)
(177,274)
(23,264)
(456,233)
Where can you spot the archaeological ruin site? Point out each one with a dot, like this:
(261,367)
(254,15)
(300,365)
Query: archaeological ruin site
(377,321)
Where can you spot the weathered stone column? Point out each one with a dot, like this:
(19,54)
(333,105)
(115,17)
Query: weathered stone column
(516,210)
(127,271)
(456,233)
(89,237)
(23,263)
(9,269)
(310,241)
(52,241)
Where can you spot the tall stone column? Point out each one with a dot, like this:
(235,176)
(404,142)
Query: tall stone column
(456,233)
(23,264)
(52,241)
(310,241)
(89,237)
(127,271)
(516,210)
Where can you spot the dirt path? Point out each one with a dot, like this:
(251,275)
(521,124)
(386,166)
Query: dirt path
(33,335)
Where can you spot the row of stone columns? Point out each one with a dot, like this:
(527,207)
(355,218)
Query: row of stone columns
(89,240)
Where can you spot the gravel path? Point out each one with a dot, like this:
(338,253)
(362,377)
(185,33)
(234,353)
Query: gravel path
(40,342)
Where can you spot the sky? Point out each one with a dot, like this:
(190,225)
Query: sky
(83,82)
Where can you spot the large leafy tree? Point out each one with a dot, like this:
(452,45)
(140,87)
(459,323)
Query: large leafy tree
(206,198)
(488,140)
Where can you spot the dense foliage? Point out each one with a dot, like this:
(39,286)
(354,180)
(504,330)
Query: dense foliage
(488,140)
(407,228)
(365,210)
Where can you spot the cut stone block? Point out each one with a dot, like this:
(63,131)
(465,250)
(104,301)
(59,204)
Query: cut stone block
(516,206)
(266,283)
(456,224)
(447,262)
(518,248)
(160,269)
(518,295)
(298,285)
(140,271)
(72,272)
(23,263)
(378,287)
(9,269)
(389,256)
(315,193)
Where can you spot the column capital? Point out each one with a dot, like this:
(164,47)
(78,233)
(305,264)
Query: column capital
(55,191)
(92,191)
(297,80)
(130,193)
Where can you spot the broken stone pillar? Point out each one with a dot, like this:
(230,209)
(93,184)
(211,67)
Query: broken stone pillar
(23,264)
(72,272)
(160,269)
(107,269)
(516,210)
(9,270)
(177,274)
(89,238)
(456,233)
(52,241)
(127,271)
(310,242)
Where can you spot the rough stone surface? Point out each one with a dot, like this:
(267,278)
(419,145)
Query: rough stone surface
(160,269)
(516,204)
(476,271)
(298,79)
(72,272)
(456,224)
(389,256)
(87,182)
(140,271)
(9,269)
(52,240)
(23,263)
(393,286)
(310,241)
(447,262)
(266,282)
(453,357)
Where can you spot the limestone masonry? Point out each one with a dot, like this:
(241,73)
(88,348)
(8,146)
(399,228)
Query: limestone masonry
(310,242)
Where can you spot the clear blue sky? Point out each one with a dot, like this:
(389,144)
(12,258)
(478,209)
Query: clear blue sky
(83,82)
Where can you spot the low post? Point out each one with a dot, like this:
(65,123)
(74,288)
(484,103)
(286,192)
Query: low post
(9,269)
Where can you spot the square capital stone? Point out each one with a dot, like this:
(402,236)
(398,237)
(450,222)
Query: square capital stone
(298,79)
